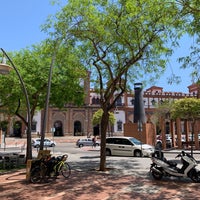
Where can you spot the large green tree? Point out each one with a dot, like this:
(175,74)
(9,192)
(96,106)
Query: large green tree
(191,10)
(33,65)
(122,41)
(189,109)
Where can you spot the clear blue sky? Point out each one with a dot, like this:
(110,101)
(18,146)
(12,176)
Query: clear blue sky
(20,27)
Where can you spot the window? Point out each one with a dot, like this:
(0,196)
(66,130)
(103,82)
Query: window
(126,142)
(119,101)
(93,100)
(161,101)
(33,126)
(119,125)
(153,102)
(97,100)
(132,101)
(110,140)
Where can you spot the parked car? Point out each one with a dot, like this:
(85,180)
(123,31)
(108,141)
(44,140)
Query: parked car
(127,146)
(190,137)
(47,143)
(168,141)
(86,142)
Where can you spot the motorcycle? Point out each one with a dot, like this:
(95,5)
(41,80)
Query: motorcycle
(162,167)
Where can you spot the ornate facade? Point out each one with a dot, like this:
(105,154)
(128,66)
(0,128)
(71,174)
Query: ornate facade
(74,121)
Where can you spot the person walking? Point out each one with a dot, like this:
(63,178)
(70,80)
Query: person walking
(94,139)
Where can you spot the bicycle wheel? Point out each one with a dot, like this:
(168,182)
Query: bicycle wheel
(65,170)
(35,175)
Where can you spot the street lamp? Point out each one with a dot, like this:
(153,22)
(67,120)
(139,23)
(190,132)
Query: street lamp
(4,69)
(43,129)
(140,132)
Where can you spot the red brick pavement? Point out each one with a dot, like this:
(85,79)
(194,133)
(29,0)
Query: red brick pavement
(91,184)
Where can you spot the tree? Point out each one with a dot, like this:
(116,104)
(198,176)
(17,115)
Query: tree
(189,109)
(33,65)
(162,111)
(121,41)
(191,10)
(96,119)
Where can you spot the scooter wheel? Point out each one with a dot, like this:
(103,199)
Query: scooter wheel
(157,175)
(196,177)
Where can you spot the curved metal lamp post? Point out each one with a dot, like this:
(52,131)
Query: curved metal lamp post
(44,123)
(4,69)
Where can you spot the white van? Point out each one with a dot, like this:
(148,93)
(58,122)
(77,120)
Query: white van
(127,146)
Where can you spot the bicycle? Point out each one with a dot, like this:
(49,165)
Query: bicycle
(45,168)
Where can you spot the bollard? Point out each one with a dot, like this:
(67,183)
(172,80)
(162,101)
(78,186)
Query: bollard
(28,170)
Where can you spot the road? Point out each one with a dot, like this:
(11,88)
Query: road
(128,178)
(89,157)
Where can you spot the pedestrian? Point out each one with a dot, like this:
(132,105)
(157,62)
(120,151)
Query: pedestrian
(94,139)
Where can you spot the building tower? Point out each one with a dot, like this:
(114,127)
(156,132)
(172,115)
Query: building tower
(139,111)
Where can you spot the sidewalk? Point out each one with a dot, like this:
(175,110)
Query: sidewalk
(90,184)
(87,183)
(19,144)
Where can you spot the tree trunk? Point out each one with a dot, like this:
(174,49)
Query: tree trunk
(104,125)
(29,146)
(198,90)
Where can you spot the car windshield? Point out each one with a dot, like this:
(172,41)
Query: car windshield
(135,141)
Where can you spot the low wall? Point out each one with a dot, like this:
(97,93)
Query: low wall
(147,135)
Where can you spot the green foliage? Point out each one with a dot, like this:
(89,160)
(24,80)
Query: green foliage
(33,65)
(162,109)
(122,39)
(96,119)
(120,42)
(187,108)
(191,12)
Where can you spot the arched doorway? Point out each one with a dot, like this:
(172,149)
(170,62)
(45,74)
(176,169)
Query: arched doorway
(58,128)
(77,128)
(17,129)
(3,126)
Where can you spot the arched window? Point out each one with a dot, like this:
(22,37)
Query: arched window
(97,100)
(93,100)
(153,102)
(119,101)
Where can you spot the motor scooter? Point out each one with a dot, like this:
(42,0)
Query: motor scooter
(162,167)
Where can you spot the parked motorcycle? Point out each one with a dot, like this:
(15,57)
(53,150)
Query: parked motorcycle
(162,167)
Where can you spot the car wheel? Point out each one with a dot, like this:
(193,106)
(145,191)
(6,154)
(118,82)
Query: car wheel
(137,153)
(108,152)
(37,146)
(80,145)
(53,145)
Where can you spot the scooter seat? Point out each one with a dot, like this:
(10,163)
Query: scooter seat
(172,164)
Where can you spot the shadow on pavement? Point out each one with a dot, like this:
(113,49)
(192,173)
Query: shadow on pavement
(123,180)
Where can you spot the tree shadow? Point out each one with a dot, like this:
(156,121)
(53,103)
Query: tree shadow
(123,180)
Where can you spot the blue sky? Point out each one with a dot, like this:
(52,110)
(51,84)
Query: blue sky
(20,28)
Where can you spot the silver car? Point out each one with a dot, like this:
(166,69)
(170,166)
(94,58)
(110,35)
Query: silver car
(47,143)
(86,142)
